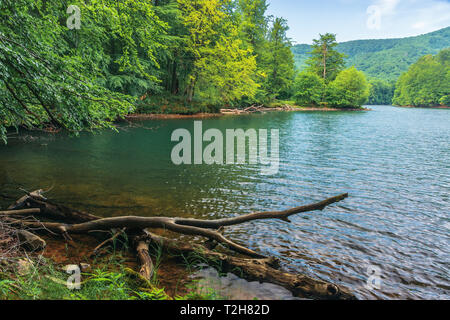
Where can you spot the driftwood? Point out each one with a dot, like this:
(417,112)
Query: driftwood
(256,109)
(205,228)
(146,264)
(109,240)
(263,270)
(259,268)
(20,212)
(36,200)
(30,240)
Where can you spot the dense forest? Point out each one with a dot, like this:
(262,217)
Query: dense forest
(82,64)
(204,53)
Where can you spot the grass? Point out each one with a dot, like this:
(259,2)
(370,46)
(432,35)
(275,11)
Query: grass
(111,280)
(44,280)
(34,277)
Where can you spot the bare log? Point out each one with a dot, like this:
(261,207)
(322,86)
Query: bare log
(30,240)
(21,203)
(51,210)
(20,212)
(146,269)
(263,270)
(59,212)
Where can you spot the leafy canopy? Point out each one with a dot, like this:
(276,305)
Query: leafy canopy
(426,83)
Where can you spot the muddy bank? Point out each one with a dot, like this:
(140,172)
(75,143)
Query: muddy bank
(151,116)
(225,112)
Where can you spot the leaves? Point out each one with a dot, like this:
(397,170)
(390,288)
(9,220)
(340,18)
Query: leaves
(220,52)
(349,89)
(325,60)
(426,83)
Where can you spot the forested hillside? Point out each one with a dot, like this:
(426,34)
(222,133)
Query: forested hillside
(384,59)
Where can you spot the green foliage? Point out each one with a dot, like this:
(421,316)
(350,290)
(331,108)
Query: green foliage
(204,294)
(426,83)
(309,89)
(445,101)
(349,89)
(301,54)
(381,92)
(222,68)
(71,79)
(325,60)
(207,52)
(280,69)
(254,23)
(45,280)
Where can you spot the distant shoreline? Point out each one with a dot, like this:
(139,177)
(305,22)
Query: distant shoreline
(158,116)
(423,107)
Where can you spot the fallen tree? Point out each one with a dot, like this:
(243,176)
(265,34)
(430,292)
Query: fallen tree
(65,221)
(256,109)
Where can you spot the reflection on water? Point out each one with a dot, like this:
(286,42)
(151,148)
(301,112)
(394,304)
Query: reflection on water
(394,163)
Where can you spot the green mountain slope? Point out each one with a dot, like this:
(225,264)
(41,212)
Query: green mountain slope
(384,59)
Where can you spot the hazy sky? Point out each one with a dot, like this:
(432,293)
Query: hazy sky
(361,19)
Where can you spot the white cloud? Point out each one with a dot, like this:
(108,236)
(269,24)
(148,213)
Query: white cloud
(387,7)
(419,25)
(419,15)
(433,15)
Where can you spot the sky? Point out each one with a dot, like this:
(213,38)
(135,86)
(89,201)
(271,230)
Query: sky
(361,19)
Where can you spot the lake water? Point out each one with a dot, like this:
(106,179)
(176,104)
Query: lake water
(394,163)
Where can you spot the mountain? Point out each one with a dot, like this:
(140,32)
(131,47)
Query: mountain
(384,59)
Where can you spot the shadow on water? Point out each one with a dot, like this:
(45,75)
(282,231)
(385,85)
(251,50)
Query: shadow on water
(394,163)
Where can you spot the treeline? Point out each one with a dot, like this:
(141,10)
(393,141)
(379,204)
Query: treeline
(384,59)
(127,53)
(426,83)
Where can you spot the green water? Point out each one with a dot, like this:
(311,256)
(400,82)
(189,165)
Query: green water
(394,162)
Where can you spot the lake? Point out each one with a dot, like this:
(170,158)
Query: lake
(394,163)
